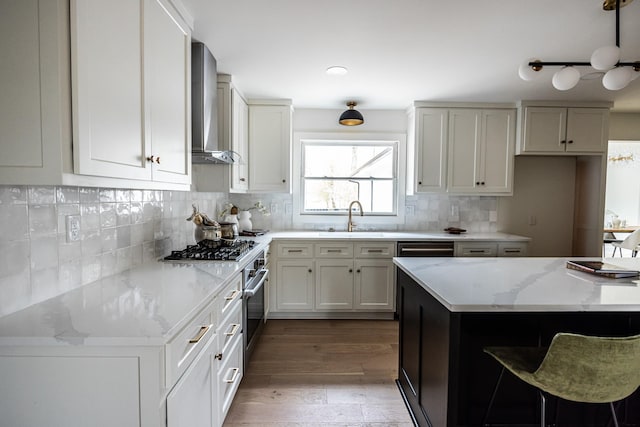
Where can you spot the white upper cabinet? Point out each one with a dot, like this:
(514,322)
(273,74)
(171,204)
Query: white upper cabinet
(429,132)
(168,92)
(560,130)
(270,138)
(481,144)
(120,68)
(461,148)
(35,106)
(131,100)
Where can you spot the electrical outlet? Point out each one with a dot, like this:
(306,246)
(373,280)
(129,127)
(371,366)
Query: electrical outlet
(274,208)
(73,228)
(532,220)
(288,208)
(409,210)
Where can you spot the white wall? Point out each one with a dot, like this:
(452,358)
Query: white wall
(544,188)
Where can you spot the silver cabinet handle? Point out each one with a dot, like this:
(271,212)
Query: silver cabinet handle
(232,295)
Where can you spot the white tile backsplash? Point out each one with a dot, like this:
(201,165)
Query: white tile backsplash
(118,230)
(123,228)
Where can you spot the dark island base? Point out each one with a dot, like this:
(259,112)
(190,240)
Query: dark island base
(446,379)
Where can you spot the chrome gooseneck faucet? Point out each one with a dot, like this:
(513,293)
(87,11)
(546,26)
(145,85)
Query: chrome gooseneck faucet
(350,224)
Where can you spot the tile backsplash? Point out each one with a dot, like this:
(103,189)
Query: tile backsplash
(120,229)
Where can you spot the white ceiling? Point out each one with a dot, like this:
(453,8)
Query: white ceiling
(399,51)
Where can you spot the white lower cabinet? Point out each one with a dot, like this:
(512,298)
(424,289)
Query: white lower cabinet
(294,285)
(189,381)
(491,249)
(371,286)
(333,277)
(189,403)
(334,284)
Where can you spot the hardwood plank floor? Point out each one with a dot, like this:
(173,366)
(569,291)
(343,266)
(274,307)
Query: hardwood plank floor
(317,373)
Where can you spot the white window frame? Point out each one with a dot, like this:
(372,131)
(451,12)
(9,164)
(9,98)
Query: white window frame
(331,219)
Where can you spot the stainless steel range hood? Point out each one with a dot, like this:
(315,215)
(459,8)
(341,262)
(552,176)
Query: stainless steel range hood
(204,109)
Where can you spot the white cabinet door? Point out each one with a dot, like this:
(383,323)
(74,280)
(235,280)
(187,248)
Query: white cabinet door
(108,99)
(464,134)
(587,130)
(240,142)
(430,149)
(374,285)
(191,401)
(35,106)
(544,130)
(270,148)
(167,54)
(294,285)
(495,162)
(481,144)
(560,130)
(131,64)
(334,284)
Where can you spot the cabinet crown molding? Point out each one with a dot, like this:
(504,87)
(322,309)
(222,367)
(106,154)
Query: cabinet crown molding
(431,104)
(582,104)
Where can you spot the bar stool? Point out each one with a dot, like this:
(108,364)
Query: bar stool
(575,367)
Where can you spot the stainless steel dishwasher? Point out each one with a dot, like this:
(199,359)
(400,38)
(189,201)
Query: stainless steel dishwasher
(422,248)
(430,248)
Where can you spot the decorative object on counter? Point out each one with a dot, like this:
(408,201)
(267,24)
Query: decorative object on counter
(244,221)
(605,60)
(455,230)
(351,117)
(206,228)
(602,269)
(253,233)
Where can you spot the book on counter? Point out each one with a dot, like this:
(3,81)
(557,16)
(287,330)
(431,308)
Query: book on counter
(602,269)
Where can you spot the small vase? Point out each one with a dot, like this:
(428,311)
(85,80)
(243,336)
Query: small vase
(244,221)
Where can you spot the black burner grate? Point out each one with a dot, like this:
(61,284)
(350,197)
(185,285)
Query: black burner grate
(206,251)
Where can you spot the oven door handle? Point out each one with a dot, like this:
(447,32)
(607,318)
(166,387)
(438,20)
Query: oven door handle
(249,292)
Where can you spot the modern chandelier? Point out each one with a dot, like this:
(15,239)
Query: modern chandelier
(606,60)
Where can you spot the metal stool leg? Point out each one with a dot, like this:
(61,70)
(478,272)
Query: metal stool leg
(543,410)
(613,415)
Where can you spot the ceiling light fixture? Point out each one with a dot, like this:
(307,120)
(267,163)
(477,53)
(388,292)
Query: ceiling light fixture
(337,70)
(351,117)
(605,59)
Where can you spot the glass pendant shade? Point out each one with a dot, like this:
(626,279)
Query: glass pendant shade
(605,58)
(566,78)
(526,72)
(617,78)
(351,117)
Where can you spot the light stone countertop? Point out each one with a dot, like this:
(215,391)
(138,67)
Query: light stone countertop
(150,303)
(522,284)
(146,305)
(396,236)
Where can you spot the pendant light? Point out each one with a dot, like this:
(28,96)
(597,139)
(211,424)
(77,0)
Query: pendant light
(351,117)
(606,59)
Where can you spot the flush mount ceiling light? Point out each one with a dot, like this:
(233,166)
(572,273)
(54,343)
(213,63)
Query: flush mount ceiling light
(351,117)
(337,70)
(606,59)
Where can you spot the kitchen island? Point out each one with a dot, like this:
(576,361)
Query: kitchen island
(451,308)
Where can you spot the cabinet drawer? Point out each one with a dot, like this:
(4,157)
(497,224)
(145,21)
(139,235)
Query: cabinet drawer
(185,346)
(506,249)
(228,298)
(294,250)
(230,328)
(479,249)
(230,373)
(375,250)
(334,250)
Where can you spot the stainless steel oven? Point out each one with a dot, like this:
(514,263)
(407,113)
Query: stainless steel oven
(253,289)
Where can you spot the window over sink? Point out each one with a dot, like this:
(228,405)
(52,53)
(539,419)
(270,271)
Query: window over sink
(336,169)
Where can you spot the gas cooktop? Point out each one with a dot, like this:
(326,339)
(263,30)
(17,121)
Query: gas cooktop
(208,251)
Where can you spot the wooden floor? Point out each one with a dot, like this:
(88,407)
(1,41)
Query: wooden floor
(316,373)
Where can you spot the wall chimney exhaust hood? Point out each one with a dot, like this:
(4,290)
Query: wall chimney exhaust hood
(204,109)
